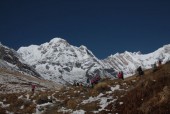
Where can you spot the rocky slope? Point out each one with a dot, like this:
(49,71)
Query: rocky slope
(10,59)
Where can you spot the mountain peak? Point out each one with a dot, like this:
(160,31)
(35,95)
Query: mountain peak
(56,40)
(83,47)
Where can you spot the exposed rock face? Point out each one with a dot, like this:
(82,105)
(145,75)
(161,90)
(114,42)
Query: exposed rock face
(9,58)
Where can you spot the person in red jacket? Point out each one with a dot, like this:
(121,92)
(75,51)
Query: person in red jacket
(120,75)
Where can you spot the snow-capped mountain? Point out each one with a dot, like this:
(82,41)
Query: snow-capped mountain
(11,60)
(128,62)
(61,62)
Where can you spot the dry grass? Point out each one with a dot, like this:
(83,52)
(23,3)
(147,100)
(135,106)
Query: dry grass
(90,106)
(151,94)
(71,104)
(99,88)
(29,108)
(42,99)
(15,104)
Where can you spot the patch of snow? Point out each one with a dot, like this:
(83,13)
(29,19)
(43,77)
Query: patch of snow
(27,96)
(22,107)
(117,87)
(103,101)
(78,112)
(4,105)
(124,84)
(120,103)
(49,97)
(34,101)
(109,92)
(64,110)
(39,109)
(4,100)
(20,97)
(9,112)
(133,80)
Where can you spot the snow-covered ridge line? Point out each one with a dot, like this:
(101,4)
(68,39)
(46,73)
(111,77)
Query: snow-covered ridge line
(59,61)
(128,61)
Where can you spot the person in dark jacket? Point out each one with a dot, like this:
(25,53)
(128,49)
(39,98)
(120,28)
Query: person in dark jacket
(140,71)
(159,63)
(88,80)
(122,75)
(154,67)
(74,83)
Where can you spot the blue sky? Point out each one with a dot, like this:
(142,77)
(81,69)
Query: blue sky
(104,26)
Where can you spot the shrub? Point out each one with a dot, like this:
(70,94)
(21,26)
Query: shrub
(43,99)
(91,106)
(102,87)
(29,108)
(71,104)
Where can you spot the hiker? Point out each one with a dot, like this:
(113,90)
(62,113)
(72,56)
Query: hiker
(96,79)
(120,75)
(159,63)
(92,83)
(77,84)
(154,67)
(74,83)
(140,71)
(33,88)
(88,82)
(81,85)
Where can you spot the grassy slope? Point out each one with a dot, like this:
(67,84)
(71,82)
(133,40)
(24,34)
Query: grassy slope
(150,96)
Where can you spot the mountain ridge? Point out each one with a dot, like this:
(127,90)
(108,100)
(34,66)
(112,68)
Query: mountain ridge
(10,59)
(144,60)
(62,61)
(59,61)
